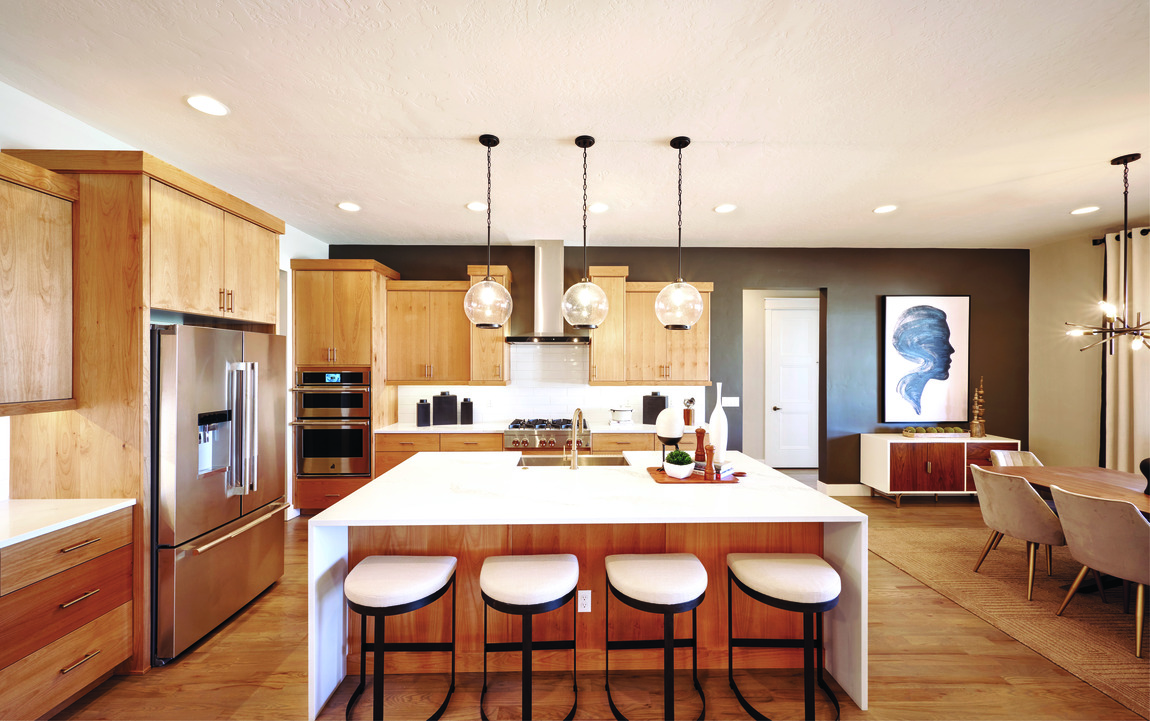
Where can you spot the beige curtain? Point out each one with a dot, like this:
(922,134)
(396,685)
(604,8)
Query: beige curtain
(1128,371)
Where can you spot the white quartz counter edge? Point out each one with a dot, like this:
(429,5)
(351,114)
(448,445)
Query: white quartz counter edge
(451,489)
(24,519)
(500,426)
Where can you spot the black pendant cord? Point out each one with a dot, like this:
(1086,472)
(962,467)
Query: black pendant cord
(584,214)
(680,278)
(488,277)
(1126,243)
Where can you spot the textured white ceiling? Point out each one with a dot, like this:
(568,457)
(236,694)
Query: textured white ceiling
(986,121)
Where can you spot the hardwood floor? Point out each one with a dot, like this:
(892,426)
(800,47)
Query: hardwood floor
(929,659)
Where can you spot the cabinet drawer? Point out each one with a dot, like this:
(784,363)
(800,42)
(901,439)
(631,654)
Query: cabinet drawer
(321,493)
(40,557)
(616,442)
(409,442)
(37,683)
(686,443)
(471,442)
(38,614)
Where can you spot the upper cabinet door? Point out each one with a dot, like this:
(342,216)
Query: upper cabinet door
(251,270)
(351,327)
(450,336)
(646,338)
(35,296)
(408,340)
(312,316)
(690,350)
(186,253)
(608,341)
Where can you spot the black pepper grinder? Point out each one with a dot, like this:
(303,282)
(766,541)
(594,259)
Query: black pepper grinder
(466,414)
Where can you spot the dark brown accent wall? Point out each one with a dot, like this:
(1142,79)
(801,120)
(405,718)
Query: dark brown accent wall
(852,280)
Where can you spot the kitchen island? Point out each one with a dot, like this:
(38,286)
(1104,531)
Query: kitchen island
(474,505)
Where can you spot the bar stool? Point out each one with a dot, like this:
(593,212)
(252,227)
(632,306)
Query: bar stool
(800,582)
(382,586)
(666,584)
(526,586)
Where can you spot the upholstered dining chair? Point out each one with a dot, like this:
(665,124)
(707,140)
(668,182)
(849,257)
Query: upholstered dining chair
(1011,507)
(1013,458)
(1111,537)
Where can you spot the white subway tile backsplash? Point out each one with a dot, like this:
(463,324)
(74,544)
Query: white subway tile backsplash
(549,382)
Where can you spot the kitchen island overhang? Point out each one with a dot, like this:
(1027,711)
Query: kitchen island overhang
(415,507)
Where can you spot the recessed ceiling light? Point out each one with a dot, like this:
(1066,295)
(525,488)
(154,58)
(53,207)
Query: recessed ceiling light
(349,207)
(598,207)
(725,208)
(208,105)
(1084,211)
(886,209)
(477,206)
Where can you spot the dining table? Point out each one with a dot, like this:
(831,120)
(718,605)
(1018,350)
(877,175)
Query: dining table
(1088,481)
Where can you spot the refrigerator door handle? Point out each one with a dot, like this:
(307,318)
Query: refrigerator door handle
(239,531)
(251,430)
(237,466)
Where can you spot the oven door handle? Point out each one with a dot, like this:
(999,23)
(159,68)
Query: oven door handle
(331,422)
(330,389)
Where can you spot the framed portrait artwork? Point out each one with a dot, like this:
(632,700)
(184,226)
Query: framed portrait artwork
(926,358)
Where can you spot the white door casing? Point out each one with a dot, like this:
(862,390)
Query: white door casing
(791,401)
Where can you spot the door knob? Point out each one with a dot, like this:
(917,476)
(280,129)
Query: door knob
(775,408)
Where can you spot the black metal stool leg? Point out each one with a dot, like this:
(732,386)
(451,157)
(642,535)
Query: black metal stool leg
(362,667)
(377,671)
(809,665)
(669,666)
(527,666)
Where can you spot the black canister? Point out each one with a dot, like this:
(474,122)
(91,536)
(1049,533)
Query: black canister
(422,413)
(466,413)
(653,405)
(444,409)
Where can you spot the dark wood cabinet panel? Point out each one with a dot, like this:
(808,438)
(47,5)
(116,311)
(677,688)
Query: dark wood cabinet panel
(979,454)
(929,467)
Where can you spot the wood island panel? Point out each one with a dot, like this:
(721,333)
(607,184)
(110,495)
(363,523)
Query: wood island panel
(590,544)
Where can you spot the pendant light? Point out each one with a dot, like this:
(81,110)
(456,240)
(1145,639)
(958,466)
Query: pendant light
(585,304)
(1117,322)
(679,305)
(487,303)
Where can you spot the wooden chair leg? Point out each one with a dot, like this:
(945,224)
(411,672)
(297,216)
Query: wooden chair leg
(994,536)
(1073,587)
(1049,560)
(1139,618)
(1098,582)
(997,541)
(1031,557)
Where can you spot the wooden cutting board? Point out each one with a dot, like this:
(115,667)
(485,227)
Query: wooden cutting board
(661,476)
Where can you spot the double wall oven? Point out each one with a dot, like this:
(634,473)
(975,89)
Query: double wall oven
(332,422)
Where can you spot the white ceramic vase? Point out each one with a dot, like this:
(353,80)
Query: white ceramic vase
(718,426)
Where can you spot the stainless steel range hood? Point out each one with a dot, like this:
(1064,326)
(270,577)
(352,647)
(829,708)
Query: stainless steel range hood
(549,298)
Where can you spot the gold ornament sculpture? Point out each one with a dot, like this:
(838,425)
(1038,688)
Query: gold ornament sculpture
(977,421)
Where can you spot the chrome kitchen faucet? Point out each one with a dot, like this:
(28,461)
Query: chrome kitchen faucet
(576,424)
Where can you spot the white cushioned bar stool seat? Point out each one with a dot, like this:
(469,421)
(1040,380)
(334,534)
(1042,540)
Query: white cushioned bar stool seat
(382,586)
(800,582)
(665,584)
(526,586)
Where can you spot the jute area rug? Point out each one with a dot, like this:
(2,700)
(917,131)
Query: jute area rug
(1092,640)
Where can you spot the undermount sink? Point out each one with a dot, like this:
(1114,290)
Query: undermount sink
(560,461)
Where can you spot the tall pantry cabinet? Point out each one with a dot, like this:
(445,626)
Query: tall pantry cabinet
(137,224)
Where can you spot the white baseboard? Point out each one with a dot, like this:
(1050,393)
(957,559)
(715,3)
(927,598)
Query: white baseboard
(843,489)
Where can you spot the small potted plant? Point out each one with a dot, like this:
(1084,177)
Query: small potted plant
(679,464)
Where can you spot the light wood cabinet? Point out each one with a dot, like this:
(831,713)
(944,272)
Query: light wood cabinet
(892,464)
(100,449)
(609,340)
(332,317)
(490,353)
(36,294)
(616,443)
(656,355)
(429,336)
(65,612)
(209,262)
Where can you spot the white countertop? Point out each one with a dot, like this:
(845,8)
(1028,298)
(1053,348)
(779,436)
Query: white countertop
(450,489)
(22,519)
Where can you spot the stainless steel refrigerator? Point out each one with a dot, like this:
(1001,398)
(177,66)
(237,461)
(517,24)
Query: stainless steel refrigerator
(218,428)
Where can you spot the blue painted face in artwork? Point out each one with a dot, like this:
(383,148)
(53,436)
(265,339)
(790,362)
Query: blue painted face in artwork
(922,336)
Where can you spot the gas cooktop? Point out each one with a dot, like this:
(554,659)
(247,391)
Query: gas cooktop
(543,424)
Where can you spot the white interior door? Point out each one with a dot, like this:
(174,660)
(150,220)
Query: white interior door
(792,382)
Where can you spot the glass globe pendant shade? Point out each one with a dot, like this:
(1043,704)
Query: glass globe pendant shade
(487,304)
(679,306)
(585,305)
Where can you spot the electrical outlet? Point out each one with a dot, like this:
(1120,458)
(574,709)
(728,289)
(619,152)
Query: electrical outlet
(730,401)
(584,602)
